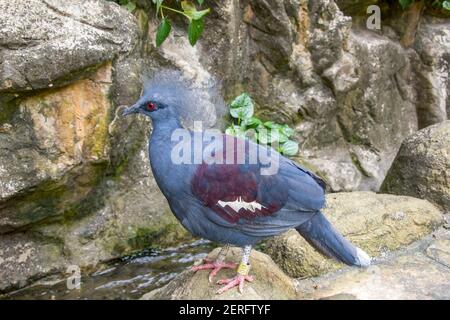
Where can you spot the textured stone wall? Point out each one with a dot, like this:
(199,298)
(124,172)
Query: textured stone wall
(75,181)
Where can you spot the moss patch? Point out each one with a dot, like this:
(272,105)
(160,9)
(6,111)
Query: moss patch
(358,164)
(166,232)
(158,237)
(7,110)
(72,197)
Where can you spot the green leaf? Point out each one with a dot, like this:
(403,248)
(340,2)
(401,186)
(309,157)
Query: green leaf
(200,2)
(197,15)
(405,3)
(446,5)
(268,133)
(271,125)
(191,11)
(251,134)
(242,107)
(275,135)
(241,134)
(195,30)
(263,137)
(286,130)
(281,136)
(234,113)
(289,148)
(230,130)
(236,131)
(252,122)
(268,136)
(187,6)
(241,113)
(130,6)
(163,31)
(243,100)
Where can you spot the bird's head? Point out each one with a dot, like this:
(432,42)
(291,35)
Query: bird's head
(151,106)
(162,97)
(168,95)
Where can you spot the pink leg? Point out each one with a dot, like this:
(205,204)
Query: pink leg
(216,266)
(242,274)
(238,280)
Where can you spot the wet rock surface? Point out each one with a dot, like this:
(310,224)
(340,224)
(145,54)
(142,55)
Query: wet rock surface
(126,278)
(269,283)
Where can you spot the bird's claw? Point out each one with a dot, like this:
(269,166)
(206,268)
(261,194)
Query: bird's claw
(238,280)
(216,266)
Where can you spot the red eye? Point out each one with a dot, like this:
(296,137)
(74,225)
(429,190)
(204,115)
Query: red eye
(151,106)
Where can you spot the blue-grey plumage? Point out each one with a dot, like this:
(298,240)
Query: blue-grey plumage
(202,195)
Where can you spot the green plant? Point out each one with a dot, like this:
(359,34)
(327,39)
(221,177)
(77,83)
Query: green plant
(244,124)
(432,3)
(188,10)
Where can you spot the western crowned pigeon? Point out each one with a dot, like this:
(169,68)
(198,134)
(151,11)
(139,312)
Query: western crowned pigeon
(229,197)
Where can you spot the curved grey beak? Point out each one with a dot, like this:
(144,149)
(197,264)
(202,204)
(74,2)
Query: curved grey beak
(133,109)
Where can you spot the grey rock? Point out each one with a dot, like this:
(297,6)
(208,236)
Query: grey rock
(329,37)
(409,274)
(431,66)
(415,272)
(70,176)
(26,257)
(48,43)
(342,74)
(378,223)
(374,108)
(59,145)
(349,93)
(422,166)
(439,250)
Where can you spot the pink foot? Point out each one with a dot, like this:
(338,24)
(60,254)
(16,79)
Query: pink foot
(216,266)
(238,280)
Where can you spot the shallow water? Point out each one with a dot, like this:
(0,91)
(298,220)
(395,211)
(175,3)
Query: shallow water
(127,278)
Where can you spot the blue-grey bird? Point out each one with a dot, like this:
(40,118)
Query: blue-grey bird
(233,202)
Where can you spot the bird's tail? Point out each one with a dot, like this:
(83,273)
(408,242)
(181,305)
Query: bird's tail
(319,232)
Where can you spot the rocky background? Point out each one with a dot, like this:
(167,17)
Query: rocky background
(369,108)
